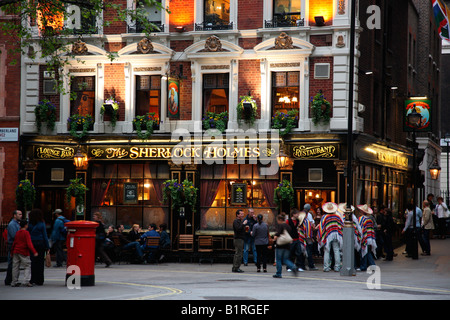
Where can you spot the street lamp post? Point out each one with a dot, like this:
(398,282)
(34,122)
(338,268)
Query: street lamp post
(414,119)
(447,140)
(348,266)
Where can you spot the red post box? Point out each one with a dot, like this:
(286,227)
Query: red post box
(81,250)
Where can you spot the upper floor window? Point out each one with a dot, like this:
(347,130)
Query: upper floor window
(148,95)
(215,92)
(285,91)
(216,16)
(154,15)
(81,20)
(82,90)
(286,13)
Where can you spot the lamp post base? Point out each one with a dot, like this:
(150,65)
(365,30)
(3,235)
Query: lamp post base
(348,251)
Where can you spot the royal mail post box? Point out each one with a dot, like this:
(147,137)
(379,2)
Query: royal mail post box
(81,250)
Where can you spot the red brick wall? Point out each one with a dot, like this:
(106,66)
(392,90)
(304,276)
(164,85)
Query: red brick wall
(249,80)
(115,86)
(249,43)
(250,13)
(326,85)
(109,15)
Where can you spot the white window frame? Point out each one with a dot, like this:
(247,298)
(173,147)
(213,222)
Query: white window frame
(199,14)
(268,10)
(131,5)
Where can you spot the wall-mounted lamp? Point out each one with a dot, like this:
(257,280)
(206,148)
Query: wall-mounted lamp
(180,29)
(80,160)
(435,170)
(282,159)
(320,21)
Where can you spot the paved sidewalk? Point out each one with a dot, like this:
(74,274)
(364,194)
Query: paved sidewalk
(427,278)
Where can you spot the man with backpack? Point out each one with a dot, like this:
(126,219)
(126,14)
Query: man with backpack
(58,237)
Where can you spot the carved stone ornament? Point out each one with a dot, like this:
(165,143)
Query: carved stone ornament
(341,6)
(213,44)
(79,48)
(340,41)
(284,41)
(144,46)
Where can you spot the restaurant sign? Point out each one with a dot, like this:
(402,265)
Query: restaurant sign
(314,151)
(53,152)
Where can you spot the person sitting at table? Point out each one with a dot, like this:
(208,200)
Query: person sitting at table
(126,244)
(152,250)
(134,234)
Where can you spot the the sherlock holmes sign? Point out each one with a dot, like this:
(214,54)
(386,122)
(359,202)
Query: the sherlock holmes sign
(326,151)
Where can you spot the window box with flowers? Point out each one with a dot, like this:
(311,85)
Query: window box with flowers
(212,120)
(79,125)
(25,195)
(320,109)
(111,108)
(148,122)
(247,110)
(285,121)
(45,111)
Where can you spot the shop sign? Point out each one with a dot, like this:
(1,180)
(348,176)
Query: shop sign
(386,157)
(53,152)
(162,152)
(9,134)
(422,107)
(325,151)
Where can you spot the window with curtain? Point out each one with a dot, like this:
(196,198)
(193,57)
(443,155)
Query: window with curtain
(215,92)
(82,89)
(107,194)
(285,91)
(217,12)
(148,95)
(217,212)
(286,12)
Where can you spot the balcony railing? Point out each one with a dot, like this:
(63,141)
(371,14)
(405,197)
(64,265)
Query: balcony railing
(206,26)
(287,20)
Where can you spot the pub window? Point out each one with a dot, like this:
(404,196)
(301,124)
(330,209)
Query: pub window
(153,14)
(82,89)
(148,95)
(216,13)
(215,92)
(286,12)
(143,205)
(285,91)
(216,185)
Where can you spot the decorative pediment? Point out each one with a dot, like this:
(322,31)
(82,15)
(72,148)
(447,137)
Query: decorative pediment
(284,43)
(79,48)
(213,47)
(145,46)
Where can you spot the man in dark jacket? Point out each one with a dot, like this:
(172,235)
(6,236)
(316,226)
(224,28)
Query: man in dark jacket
(296,247)
(239,236)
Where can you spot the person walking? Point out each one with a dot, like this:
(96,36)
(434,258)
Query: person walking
(13,227)
(388,228)
(427,227)
(20,250)
(368,238)
(58,237)
(100,237)
(38,234)
(306,235)
(330,236)
(239,237)
(296,246)
(441,213)
(282,250)
(249,241)
(260,233)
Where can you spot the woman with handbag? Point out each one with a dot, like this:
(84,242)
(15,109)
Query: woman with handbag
(282,246)
(38,234)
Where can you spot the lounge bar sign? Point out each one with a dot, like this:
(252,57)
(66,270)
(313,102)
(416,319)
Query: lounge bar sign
(53,152)
(310,151)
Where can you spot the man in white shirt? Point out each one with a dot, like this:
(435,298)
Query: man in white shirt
(441,212)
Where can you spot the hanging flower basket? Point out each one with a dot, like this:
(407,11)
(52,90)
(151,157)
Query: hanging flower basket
(180,194)
(45,111)
(284,192)
(247,110)
(25,195)
(285,122)
(148,122)
(212,120)
(81,123)
(320,109)
(77,190)
(111,108)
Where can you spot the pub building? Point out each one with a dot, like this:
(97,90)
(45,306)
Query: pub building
(180,74)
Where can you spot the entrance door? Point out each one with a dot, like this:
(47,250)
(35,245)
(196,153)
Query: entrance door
(315,197)
(51,199)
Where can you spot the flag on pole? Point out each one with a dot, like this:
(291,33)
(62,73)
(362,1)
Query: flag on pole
(441,14)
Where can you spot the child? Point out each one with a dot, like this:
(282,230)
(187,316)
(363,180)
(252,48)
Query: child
(20,252)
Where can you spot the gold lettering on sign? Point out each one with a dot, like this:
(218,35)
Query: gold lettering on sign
(314,152)
(54,152)
(392,159)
